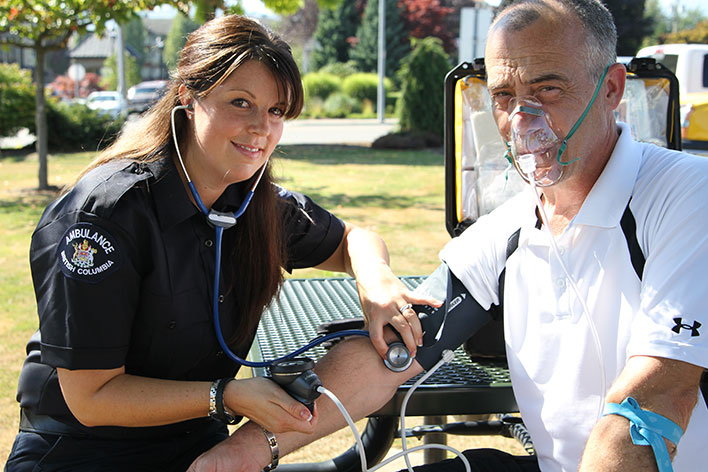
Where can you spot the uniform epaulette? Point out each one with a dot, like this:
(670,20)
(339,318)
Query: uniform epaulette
(99,190)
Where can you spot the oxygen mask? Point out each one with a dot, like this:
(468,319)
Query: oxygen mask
(531,138)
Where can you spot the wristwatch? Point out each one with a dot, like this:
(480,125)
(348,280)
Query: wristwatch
(216,402)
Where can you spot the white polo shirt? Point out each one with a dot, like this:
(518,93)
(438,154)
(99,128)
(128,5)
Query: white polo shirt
(553,356)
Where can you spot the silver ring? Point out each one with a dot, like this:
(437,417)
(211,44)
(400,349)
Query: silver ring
(405,307)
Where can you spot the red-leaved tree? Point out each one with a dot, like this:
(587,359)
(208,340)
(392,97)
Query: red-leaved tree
(424,18)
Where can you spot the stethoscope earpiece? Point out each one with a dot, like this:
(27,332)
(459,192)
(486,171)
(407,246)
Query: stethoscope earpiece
(398,357)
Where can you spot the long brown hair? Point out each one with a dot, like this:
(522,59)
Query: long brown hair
(211,54)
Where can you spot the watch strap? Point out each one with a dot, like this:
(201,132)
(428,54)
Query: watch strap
(217,410)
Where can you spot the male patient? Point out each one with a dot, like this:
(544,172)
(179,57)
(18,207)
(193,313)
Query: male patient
(598,337)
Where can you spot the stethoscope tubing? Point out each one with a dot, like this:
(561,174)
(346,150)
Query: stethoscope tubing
(219,231)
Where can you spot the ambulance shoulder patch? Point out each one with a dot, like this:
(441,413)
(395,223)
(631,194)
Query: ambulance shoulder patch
(88,253)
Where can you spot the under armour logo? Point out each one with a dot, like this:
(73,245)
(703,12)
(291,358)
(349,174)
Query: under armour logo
(679,325)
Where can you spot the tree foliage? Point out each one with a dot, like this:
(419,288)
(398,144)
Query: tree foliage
(176,38)
(49,23)
(288,7)
(424,18)
(424,73)
(365,52)
(336,28)
(632,25)
(681,25)
(698,34)
(134,34)
(45,25)
(16,99)
(110,78)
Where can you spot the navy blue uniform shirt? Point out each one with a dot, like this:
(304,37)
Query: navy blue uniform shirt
(123,268)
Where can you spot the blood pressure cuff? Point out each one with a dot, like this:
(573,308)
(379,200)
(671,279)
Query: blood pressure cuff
(449,326)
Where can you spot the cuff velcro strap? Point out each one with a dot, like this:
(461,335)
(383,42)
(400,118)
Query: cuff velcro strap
(647,428)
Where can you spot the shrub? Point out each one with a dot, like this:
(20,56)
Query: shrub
(320,84)
(313,108)
(340,105)
(407,140)
(74,127)
(340,69)
(422,96)
(17,103)
(364,86)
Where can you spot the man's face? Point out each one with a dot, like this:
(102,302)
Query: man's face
(543,61)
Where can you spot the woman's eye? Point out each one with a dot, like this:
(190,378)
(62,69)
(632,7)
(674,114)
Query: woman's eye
(277,111)
(240,102)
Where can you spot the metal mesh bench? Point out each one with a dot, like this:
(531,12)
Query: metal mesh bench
(465,386)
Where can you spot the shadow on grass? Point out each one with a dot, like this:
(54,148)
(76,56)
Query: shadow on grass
(34,198)
(24,199)
(385,202)
(341,154)
(17,155)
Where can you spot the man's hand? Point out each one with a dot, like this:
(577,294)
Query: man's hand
(245,451)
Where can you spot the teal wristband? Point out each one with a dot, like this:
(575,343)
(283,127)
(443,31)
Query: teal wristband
(647,428)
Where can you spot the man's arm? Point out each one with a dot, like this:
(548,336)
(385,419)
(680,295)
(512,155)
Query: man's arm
(664,386)
(357,376)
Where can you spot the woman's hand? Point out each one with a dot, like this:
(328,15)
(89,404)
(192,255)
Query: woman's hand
(264,402)
(363,254)
(385,301)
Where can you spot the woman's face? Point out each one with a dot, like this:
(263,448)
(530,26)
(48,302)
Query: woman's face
(235,128)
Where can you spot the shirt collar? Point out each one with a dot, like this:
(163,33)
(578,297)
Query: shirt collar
(608,198)
(171,200)
(172,197)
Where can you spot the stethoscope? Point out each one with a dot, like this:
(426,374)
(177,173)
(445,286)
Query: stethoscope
(220,221)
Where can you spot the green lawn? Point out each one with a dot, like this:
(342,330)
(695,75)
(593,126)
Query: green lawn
(398,194)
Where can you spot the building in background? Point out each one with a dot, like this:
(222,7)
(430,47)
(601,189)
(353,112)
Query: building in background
(156,30)
(93,50)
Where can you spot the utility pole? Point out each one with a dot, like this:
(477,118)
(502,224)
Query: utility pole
(381,92)
(120,61)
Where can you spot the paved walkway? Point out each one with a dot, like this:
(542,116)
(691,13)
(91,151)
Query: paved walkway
(336,131)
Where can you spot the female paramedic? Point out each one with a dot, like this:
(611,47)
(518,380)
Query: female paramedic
(126,372)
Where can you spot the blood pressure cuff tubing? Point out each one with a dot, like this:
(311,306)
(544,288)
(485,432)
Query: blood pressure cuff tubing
(447,327)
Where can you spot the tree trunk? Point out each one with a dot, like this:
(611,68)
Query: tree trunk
(41,118)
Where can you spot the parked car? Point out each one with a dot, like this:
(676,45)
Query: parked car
(690,64)
(145,94)
(109,102)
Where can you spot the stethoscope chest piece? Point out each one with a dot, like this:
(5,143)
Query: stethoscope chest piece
(398,357)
